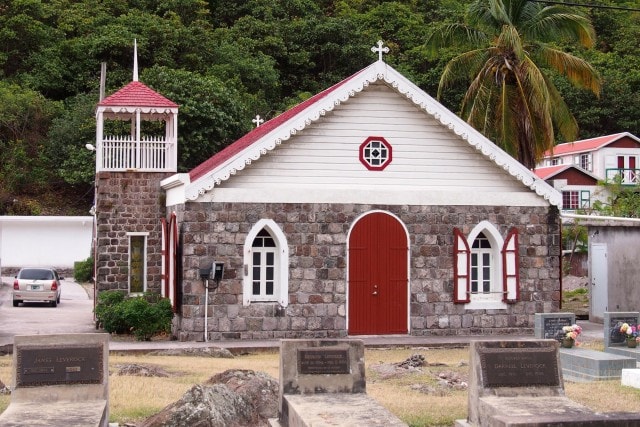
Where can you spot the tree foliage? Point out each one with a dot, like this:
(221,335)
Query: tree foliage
(507,61)
(224,62)
(622,200)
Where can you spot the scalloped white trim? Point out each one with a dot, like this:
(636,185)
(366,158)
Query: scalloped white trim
(375,72)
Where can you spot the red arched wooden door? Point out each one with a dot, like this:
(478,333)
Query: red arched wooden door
(378,259)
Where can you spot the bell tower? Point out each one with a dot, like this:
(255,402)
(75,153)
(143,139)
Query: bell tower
(136,148)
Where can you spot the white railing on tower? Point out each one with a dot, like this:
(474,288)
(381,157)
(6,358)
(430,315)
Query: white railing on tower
(150,153)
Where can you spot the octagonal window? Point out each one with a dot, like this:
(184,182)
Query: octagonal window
(375,153)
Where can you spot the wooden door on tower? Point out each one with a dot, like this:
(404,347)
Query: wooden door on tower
(378,285)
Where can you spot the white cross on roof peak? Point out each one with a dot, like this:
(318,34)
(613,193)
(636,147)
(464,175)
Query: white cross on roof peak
(258,121)
(380,49)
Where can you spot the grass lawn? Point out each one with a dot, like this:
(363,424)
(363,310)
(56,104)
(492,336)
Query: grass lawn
(416,396)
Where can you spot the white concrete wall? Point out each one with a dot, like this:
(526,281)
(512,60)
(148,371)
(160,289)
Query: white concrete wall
(44,240)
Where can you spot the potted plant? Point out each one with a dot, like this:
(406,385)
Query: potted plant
(570,335)
(631,333)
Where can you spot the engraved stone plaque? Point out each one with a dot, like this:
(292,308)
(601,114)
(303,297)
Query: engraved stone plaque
(553,326)
(316,361)
(41,366)
(615,336)
(519,367)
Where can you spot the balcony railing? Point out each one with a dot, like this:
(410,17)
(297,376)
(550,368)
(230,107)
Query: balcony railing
(626,176)
(122,153)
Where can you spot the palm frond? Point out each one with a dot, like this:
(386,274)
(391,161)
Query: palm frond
(554,22)
(577,70)
(563,120)
(462,68)
(454,35)
(490,13)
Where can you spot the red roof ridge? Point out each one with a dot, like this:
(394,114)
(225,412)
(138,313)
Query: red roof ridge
(589,144)
(546,172)
(137,94)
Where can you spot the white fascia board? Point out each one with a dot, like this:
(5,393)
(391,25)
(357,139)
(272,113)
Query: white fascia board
(429,197)
(174,187)
(115,110)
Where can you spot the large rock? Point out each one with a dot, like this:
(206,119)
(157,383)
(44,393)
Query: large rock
(259,388)
(233,398)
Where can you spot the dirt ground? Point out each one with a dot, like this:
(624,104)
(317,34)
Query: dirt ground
(569,283)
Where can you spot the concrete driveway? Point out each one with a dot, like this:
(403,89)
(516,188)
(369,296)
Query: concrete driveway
(74,314)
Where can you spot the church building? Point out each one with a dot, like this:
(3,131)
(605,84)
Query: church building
(368,209)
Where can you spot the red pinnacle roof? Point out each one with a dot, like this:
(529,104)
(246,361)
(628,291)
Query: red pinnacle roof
(136,94)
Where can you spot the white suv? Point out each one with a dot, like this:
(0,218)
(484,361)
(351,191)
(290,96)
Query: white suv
(37,284)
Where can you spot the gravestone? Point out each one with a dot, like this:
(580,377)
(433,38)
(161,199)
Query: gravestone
(518,383)
(517,369)
(549,325)
(323,383)
(612,323)
(59,380)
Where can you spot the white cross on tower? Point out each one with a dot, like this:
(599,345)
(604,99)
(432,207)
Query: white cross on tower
(380,49)
(258,121)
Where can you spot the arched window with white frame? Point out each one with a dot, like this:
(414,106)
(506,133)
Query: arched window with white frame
(485,268)
(266,257)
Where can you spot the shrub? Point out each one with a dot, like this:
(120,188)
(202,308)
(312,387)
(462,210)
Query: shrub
(83,270)
(108,314)
(144,316)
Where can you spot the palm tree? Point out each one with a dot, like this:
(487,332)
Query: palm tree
(511,98)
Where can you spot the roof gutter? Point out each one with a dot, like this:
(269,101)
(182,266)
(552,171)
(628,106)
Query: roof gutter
(598,218)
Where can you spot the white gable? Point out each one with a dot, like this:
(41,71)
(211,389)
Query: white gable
(313,156)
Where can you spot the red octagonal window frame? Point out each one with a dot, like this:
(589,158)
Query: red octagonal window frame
(375,153)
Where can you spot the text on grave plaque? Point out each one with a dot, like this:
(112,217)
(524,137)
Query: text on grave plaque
(323,361)
(553,325)
(59,365)
(519,367)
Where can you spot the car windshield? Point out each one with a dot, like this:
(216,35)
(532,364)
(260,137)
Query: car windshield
(36,274)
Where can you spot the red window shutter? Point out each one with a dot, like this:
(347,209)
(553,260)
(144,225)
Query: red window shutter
(168,286)
(461,268)
(163,280)
(510,268)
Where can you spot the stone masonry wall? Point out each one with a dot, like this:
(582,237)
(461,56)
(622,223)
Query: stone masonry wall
(317,238)
(128,202)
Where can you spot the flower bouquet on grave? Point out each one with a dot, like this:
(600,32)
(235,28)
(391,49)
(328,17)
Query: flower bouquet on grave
(570,335)
(631,333)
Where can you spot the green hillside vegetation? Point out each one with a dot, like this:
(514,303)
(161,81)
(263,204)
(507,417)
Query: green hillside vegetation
(224,62)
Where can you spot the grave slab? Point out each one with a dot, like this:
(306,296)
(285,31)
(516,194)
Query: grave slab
(582,365)
(338,410)
(631,378)
(323,383)
(633,353)
(520,383)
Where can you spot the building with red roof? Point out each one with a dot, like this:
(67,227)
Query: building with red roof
(605,157)
(368,209)
(575,168)
(578,187)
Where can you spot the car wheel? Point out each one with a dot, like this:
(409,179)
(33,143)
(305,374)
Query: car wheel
(58,300)
(54,303)
(15,303)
